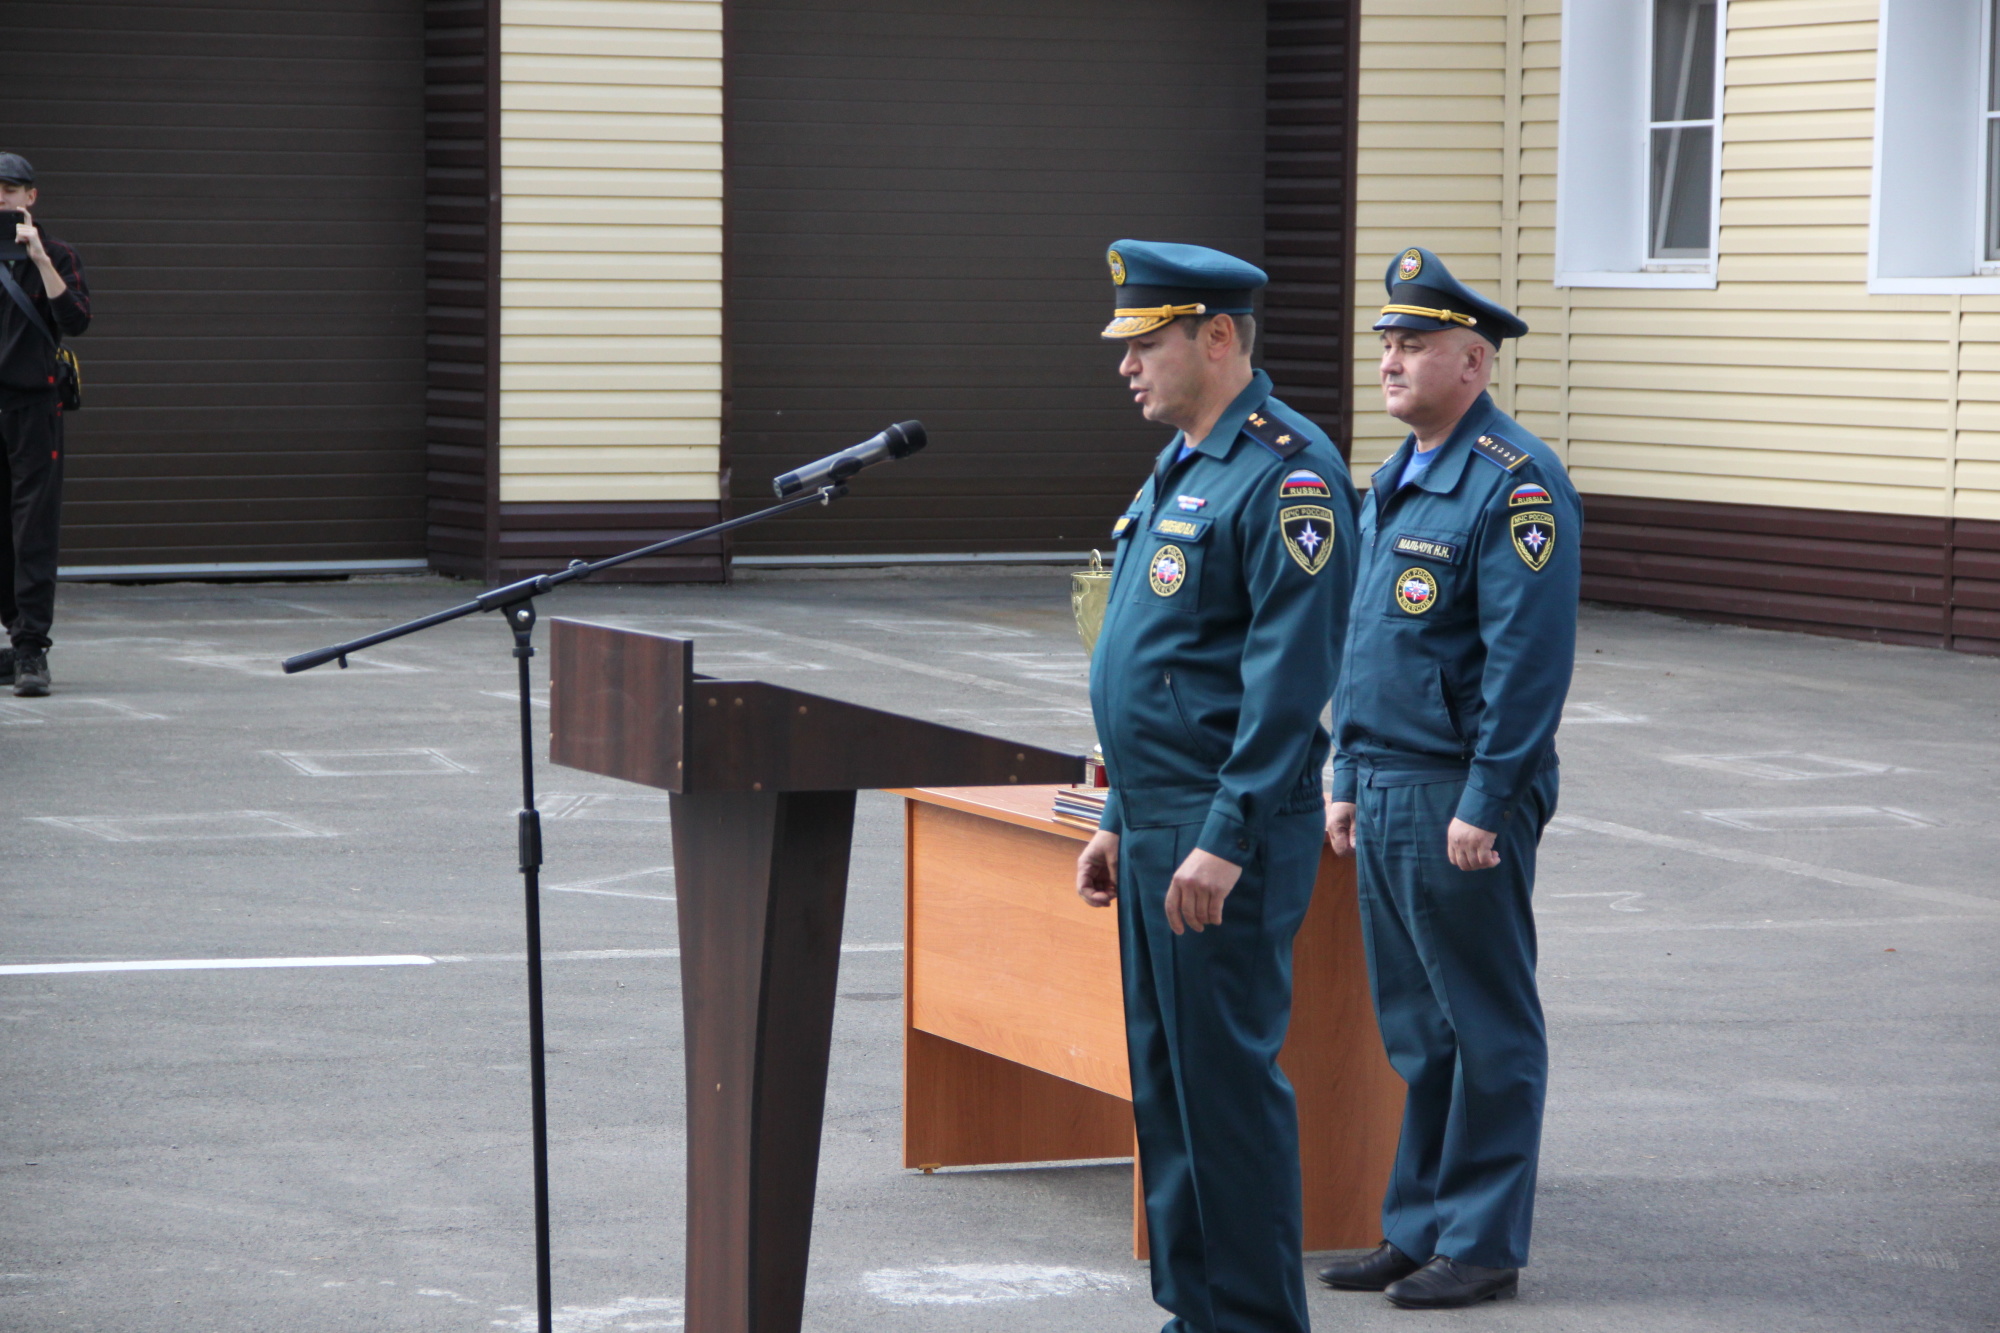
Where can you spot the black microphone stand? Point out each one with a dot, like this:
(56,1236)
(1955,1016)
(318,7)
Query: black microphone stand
(517,600)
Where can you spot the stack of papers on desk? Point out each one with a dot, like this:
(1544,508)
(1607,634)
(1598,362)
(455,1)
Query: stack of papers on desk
(1081,805)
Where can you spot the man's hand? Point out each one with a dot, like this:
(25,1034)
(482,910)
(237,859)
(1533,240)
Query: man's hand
(1097,870)
(1340,827)
(28,234)
(1194,898)
(1470,848)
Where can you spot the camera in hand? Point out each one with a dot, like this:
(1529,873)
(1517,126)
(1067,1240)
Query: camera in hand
(10,248)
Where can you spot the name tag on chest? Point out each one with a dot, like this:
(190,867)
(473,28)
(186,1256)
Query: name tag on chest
(1427,548)
(1182,528)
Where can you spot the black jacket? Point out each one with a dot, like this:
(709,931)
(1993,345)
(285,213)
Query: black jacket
(27,362)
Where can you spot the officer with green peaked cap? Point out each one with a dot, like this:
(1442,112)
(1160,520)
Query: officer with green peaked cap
(1220,647)
(1460,642)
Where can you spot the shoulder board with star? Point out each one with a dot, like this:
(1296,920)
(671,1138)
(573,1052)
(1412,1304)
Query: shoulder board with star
(1274,434)
(1503,455)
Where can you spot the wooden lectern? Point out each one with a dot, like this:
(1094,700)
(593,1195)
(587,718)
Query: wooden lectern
(762,781)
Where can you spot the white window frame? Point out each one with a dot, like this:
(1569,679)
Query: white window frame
(1604,151)
(1926,196)
(1988,117)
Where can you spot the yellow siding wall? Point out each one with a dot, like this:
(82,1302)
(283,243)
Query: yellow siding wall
(1789,384)
(611,272)
(1431,148)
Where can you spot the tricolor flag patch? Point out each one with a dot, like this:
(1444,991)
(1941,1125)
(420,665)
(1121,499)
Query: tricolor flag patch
(1529,493)
(1304,484)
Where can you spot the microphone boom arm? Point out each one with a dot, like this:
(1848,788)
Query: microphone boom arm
(513,594)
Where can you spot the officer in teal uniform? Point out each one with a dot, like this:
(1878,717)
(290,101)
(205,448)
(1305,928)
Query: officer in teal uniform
(1460,642)
(1220,647)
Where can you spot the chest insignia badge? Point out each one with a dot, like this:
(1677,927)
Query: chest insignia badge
(1304,484)
(1534,534)
(1189,503)
(1529,493)
(1416,590)
(1168,570)
(1308,534)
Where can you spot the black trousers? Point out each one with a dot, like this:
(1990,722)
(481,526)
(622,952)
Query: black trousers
(31,464)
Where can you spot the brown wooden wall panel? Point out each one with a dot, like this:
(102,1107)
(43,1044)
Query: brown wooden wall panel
(244,181)
(541,537)
(461,283)
(920,195)
(1311,57)
(1932,582)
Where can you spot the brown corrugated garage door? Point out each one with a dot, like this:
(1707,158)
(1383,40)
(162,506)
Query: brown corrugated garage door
(920,197)
(244,179)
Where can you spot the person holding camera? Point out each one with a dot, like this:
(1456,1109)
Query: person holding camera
(44,300)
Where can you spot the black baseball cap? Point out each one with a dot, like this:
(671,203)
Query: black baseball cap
(15,168)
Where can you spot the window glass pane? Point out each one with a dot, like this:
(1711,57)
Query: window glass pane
(1993,51)
(1992,190)
(1683,59)
(1682,174)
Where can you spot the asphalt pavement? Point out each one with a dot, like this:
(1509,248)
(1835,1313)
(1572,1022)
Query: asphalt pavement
(1768,917)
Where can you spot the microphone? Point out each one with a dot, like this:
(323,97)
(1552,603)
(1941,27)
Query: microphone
(899,441)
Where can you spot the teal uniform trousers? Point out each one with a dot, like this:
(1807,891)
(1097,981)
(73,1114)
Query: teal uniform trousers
(1451,957)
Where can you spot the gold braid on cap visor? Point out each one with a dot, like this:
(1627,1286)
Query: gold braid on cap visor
(1449,316)
(1131,321)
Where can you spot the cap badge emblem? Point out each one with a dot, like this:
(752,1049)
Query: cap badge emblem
(1416,590)
(1117,262)
(1411,264)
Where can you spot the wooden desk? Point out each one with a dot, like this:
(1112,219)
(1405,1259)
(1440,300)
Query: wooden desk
(1014,1015)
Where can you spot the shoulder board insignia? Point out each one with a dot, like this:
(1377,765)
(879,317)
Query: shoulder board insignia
(1185,529)
(1118,528)
(1499,451)
(1274,434)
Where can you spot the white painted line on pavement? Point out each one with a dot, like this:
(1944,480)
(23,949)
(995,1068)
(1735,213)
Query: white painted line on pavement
(366,960)
(1660,927)
(1783,864)
(985,1284)
(209,964)
(602,955)
(609,893)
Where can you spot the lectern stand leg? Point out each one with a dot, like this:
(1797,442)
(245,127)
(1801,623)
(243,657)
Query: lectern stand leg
(761,882)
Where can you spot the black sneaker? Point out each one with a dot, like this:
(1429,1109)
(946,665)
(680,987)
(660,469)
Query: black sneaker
(31,674)
(6,666)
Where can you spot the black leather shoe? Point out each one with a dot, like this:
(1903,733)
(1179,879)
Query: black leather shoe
(1447,1284)
(1369,1270)
(31,674)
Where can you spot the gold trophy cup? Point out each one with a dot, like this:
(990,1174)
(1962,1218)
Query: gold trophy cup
(1089,594)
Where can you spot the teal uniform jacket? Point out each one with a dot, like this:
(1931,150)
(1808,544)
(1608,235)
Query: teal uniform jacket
(1463,628)
(1221,639)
